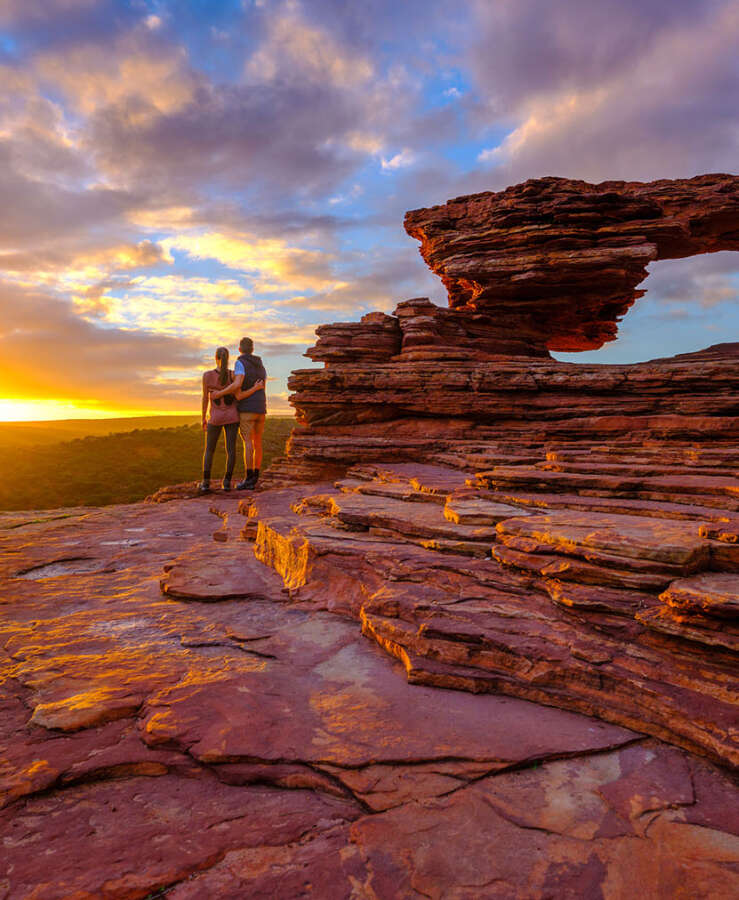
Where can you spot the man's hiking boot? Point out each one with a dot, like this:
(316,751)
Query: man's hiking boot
(226,484)
(246,484)
(204,487)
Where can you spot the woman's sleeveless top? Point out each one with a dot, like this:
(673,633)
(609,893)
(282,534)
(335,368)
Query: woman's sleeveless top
(220,412)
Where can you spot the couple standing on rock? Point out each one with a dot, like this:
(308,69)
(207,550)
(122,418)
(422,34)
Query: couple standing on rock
(237,404)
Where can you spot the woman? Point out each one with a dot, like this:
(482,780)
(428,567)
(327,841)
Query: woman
(223,414)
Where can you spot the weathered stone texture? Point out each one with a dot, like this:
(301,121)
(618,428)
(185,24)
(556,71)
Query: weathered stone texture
(256,744)
(476,635)
(558,261)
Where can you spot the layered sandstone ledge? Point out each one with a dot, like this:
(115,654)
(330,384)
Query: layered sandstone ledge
(557,262)
(437,375)
(599,502)
(423,382)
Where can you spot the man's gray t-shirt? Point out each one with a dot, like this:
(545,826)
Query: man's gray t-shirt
(252,369)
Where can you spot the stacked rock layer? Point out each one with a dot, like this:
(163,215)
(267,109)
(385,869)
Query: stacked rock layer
(558,261)
(504,522)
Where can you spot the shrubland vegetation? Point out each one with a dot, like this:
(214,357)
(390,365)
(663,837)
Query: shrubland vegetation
(29,434)
(109,462)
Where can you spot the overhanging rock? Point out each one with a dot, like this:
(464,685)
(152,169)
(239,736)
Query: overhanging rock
(557,262)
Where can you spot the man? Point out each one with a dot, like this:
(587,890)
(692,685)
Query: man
(249,375)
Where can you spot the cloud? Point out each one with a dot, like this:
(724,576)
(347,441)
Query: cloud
(379,280)
(163,218)
(356,191)
(698,282)
(85,275)
(271,262)
(34,134)
(527,49)
(268,142)
(654,96)
(115,366)
(13,12)
(302,120)
(401,160)
(309,110)
(143,79)
(46,176)
(119,257)
(363,142)
(207,312)
(295,49)
(43,210)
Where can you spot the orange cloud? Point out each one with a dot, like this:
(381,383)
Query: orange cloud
(149,81)
(274,264)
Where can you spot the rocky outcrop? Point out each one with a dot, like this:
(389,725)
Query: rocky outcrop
(439,394)
(557,262)
(264,747)
(571,502)
(589,510)
(481,587)
(607,600)
(437,401)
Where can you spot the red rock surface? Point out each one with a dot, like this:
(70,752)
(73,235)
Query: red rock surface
(447,395)
(557,262)
(475,636)
(565,606)
(261,746)
(600,501)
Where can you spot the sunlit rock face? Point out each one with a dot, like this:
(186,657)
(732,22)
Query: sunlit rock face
(557,262)
(597,504)
(485,610)
(450,379)
(229,703)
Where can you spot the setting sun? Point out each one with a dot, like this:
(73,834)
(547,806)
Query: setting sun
(45,410)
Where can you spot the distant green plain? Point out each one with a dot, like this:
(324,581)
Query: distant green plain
(97,462)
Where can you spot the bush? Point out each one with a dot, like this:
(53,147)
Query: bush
(117,468)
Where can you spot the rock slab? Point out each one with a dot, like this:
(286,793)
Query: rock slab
(264,747)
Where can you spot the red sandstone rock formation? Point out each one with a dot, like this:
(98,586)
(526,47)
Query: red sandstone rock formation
(556,262)
(457,390)
(593,497)
(548,554)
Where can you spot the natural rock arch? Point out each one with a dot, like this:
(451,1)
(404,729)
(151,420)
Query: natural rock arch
(547,265)
(557,262)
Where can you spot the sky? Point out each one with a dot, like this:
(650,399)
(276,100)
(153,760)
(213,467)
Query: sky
(174,175)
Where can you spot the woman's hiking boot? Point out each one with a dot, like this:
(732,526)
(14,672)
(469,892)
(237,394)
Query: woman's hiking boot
(204,487)
(226,484)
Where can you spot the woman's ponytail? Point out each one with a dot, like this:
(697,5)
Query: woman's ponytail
(222,357)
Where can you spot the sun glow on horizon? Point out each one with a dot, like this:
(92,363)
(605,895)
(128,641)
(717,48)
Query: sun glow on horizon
(18,410)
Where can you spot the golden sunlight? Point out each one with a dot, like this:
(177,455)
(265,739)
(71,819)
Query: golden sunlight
(47,410)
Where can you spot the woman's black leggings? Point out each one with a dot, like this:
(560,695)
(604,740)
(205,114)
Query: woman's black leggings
(211,441)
